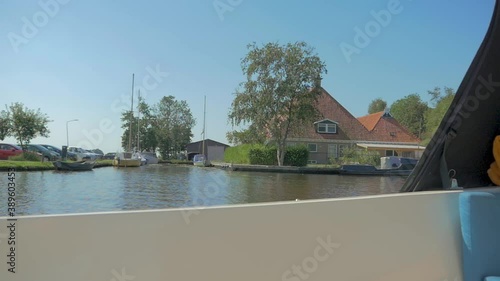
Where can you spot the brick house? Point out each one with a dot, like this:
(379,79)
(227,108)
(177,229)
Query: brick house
(338,129)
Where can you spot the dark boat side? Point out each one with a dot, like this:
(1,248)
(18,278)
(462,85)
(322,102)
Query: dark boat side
(369,170)
(74,166)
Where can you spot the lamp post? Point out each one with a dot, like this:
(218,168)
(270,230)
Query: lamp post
(67,135)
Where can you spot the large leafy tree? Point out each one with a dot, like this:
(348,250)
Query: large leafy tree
(377,105)
(4,124)
(173,123)
(440,102)
(410,111)
(166,126)
(249,135)
(24,124)
(280,90)
(143,137)
(148,140)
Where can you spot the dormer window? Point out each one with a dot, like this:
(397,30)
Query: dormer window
(326,126)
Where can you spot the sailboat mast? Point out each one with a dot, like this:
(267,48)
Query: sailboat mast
(131,116)
(204,115)
(138,121)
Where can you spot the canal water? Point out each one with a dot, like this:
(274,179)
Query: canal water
(162,186)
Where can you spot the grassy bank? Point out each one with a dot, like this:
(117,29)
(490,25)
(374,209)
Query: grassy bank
(26,165)
(41,166)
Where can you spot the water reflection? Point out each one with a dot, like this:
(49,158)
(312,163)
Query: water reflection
(161,186)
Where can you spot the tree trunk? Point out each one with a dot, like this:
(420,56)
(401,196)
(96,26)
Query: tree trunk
(280,151)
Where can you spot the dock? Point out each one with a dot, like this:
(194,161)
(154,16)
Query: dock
(278,169)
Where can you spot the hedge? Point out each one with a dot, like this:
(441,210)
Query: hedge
(296,156)
(257,154)
(263,155)
(238,154)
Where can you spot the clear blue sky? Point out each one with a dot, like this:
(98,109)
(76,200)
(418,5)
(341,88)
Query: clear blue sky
(79,61)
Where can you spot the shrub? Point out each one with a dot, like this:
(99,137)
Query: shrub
(26,156)
(263,155)
(359,156)
(258,154)
(296,156)
(238,154)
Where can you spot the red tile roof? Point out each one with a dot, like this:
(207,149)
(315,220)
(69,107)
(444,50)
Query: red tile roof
(371,120)
(386,128)
(349,127)
(373,127)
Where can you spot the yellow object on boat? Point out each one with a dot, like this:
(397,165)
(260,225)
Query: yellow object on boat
(494,170)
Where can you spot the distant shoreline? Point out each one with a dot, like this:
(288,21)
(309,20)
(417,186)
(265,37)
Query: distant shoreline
(34,166)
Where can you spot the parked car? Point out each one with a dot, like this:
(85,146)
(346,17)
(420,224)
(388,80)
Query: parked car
(70,155)
(110,155)
(7,150)
(95,154)
(82,153)
(97,151)
(46,154)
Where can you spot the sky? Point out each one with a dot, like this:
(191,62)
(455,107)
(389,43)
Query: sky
(75,59)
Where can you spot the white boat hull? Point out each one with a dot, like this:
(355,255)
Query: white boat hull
(410,237)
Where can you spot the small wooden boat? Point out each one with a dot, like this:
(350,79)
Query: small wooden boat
(74,166)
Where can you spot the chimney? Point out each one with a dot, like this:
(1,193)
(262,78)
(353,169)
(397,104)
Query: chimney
(387,112)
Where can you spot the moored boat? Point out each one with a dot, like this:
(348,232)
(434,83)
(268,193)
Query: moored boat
(369,170)
(126,159)
(200,160)
(150,157)
(74,166)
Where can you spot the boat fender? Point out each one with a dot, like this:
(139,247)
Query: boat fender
(494,170)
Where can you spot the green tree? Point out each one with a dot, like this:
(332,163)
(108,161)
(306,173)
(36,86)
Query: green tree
(353,154)
(127,118)
(440,103)
(26,124)
(280,91)
(166,126)
(4,124)
(251,135)
(377,105)
(410,112)
(173,123)
(147,136)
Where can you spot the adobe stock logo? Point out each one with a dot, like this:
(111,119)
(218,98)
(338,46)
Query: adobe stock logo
(31,27)
(321,253)
(364,36)
(223,6)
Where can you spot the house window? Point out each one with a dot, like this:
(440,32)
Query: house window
(391,153)
(312,162)
(312,147)
(407,154)
(327,128)
(332,151)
